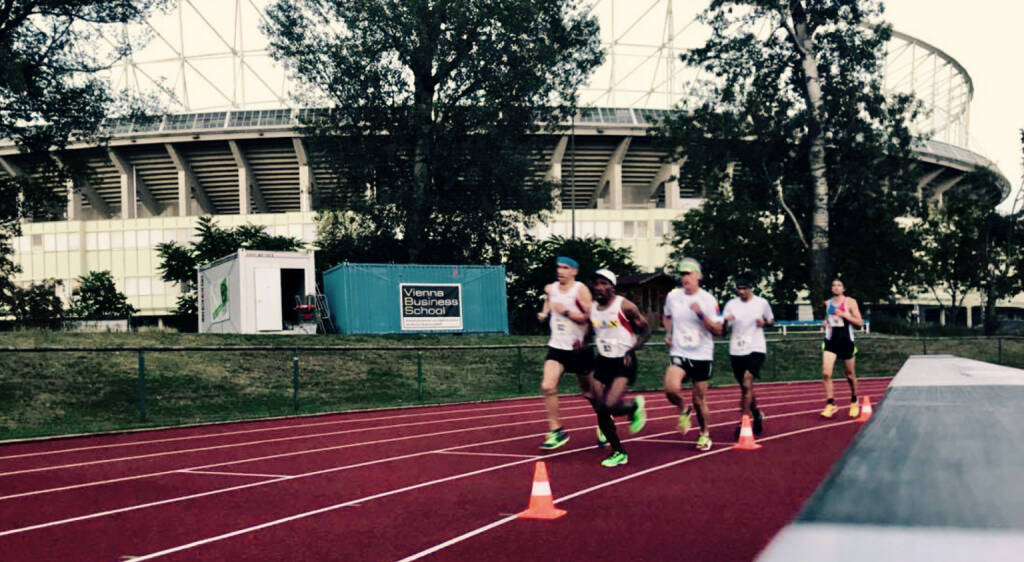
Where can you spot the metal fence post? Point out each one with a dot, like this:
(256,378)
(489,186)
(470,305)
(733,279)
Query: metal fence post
(519,369)
(924,346)
(419,375)
(140,387)
(295,380)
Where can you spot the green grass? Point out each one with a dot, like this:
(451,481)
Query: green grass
(73,392)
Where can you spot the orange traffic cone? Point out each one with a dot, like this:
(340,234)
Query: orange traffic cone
(542,505)
(865,409)
(746,442)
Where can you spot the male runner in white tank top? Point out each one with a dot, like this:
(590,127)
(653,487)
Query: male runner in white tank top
(619,330)
(566,304)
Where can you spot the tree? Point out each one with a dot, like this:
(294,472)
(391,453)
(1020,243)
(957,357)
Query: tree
(531,266)
(97,297)
(434,110)
(50,94)
(800,111)
(37,305)
(967,246)
(178,262)
(732,236)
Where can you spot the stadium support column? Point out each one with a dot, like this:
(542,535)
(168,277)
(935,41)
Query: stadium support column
(79,189)
(307,181)
(554,173)
(667,176)
(188,184)
(249,191)
(133,188)
(611,180)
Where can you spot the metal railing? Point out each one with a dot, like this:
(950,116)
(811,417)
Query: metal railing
(51,390)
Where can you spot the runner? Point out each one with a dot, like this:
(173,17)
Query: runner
(746,315)
(619,330)
(565,307)
(691,319)
(842,315)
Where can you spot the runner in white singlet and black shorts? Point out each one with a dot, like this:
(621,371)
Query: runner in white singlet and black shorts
(566,304)
(842,315)
(691,319)
(619,330)
(746,315)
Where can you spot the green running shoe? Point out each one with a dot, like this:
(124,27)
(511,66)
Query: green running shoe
(601,439)
(684,421)
(615,459)
(554,440)
(639,416)
(704,442)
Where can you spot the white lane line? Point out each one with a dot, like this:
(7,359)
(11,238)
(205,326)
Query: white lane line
(277,440)
(349,421)
(324,449)
(384,495)
(335,447)
(338,469)
(490,454)
(510,518)
(233,473)
(257,430)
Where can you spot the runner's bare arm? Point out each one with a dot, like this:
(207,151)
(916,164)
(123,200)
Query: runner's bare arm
(641,327)
(583,301)
(666,322)
(853,314)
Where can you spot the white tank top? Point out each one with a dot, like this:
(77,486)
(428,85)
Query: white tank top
(565,334)
(613,332)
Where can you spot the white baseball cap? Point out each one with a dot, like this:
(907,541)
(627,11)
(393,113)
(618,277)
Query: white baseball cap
(607,275)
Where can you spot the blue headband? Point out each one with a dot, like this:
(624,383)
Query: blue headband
(563,260)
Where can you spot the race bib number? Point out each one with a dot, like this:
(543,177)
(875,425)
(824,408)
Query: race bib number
(605,346)
(689,337)
(742,343)
(561,323)
(835,321)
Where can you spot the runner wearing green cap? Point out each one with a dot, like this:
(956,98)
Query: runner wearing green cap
(691,319)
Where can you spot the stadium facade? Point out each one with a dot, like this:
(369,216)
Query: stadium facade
(241,165)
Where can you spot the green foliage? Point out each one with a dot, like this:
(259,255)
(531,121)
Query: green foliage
(51,95)
(434,110)
(178,262)
(734,236)
(98,297)
(531,265)
(967,246)
(759,114)
(37,305)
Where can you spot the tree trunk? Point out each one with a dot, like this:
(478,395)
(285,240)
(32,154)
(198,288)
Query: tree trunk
(815,157)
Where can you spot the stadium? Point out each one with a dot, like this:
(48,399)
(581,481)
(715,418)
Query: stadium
(232,149)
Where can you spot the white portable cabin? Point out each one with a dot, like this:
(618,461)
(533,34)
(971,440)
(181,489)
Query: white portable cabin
(254,291)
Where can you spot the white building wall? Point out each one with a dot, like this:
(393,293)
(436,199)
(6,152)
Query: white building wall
(65,250)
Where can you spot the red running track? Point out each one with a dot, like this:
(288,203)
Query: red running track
(440,482)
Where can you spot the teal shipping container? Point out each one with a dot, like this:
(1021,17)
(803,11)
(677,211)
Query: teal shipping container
(370,298)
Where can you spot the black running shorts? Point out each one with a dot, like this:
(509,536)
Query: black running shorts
(573,361)
(607,369)
(744,363)
(844,349)
(696,370)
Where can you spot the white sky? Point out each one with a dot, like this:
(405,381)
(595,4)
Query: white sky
(987,38)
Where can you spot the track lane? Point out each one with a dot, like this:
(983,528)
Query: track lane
(395,475)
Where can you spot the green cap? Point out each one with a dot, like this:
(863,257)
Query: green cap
(688,265)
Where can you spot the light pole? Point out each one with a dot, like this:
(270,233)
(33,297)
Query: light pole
(572,173)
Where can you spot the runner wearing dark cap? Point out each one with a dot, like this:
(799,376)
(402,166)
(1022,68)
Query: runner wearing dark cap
(746,315)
